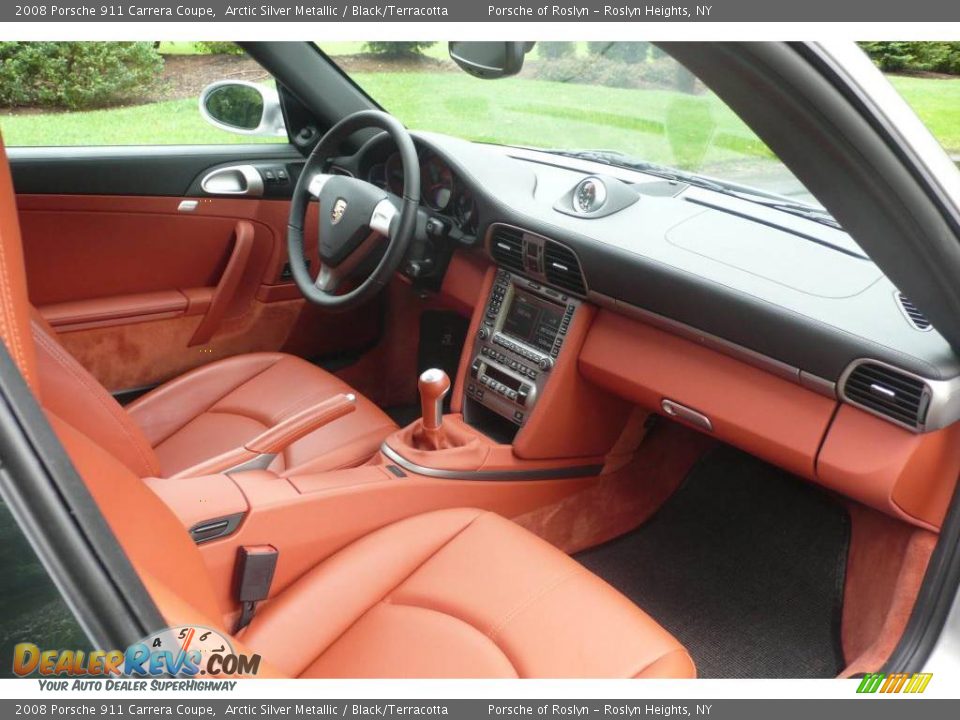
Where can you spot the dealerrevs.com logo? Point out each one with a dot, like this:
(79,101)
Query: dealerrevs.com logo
(177,652)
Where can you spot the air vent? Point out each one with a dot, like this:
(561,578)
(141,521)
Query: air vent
(888,392)
(506,246)
(916,318)
(562,269)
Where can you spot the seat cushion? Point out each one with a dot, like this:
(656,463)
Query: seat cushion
(459,593)
(220,406)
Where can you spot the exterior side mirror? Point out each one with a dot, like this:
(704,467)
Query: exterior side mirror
(489,60)
(243,107)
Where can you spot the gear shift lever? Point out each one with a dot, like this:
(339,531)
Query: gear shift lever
(434,384)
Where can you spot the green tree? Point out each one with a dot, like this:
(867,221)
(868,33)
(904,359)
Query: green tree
(897,56)
(220,48)
(397,49)
(76,75)
(630,52)
(892,56)
(556,49)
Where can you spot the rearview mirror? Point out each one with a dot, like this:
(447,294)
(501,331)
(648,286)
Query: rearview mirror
(243,107)
(489,60)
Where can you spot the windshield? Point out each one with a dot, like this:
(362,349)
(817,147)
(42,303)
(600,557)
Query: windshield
(626,97)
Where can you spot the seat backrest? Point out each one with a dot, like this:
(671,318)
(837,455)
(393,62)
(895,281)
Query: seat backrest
(73,394)
(153,538)
(14,305)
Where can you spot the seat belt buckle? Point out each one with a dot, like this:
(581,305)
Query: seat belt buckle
(255,567)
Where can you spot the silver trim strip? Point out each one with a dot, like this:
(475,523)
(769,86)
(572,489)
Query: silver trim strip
(540,474)
(817,384)
(260,462)
(758,360)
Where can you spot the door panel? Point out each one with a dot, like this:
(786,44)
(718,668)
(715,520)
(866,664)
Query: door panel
(149,170)
(141,289)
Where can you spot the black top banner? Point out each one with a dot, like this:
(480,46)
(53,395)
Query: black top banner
(482,11)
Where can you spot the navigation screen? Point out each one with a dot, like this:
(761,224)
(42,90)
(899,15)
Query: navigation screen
(533,320)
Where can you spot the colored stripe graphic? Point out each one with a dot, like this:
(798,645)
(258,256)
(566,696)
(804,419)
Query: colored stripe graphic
(871,682)
(918,683)
(894,683)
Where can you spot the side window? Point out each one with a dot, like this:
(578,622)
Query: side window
(927,76)
(120,93)
(31,608)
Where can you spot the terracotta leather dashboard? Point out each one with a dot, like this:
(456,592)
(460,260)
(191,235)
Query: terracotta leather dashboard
(903,474)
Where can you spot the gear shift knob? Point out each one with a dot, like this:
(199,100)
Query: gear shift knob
(434,384)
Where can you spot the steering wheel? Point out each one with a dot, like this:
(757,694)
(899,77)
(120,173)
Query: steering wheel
(356,217)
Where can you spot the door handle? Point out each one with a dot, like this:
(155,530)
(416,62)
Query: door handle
(234,180)
(229,282)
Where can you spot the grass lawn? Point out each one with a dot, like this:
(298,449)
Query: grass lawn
(172,122)
(659,125)
(695,132)
(937,102)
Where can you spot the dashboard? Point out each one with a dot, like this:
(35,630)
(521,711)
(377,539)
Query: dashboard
(794,297)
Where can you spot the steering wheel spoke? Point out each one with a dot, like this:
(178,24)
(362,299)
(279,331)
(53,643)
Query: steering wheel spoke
(329,279)
(315,186)
(381,220)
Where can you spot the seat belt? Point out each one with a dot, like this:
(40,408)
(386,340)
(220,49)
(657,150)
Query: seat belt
(255,566)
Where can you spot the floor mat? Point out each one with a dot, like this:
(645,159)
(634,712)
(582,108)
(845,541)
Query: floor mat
(744,565)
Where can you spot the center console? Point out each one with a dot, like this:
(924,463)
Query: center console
(521,334)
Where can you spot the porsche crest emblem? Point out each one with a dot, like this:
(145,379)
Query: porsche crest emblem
(339,207)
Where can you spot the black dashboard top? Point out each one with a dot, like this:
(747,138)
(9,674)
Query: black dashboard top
(791,289)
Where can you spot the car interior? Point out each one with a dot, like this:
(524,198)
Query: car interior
(480,410)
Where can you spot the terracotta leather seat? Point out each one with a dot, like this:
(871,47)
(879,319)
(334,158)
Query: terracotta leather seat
(450,593)
(209,411)
(460,593)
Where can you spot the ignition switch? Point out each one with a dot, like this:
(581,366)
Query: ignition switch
(436,228)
